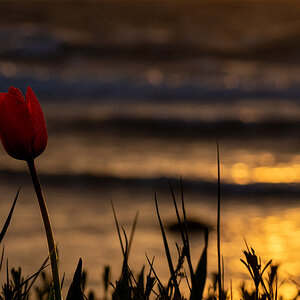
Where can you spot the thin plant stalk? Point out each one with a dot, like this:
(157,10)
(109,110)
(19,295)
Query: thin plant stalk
(48,229)
(218,226)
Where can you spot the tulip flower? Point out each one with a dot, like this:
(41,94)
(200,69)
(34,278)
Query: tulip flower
(22,124)
(24,136)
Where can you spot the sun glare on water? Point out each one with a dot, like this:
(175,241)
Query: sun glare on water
(241,173)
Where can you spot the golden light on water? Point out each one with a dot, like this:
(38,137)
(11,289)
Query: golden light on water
(239,168)
(240,173)
(274,234)
(281,173)
(285,173)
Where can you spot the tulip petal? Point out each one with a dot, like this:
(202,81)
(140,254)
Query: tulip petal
(38,121)
(17,93)
(22,125)
(16,127)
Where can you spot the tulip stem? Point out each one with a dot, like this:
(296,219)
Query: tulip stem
(48,229)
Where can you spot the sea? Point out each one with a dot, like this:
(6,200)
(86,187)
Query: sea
(136,96)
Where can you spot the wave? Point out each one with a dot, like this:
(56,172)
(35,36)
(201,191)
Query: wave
(95,90)
(67,58)
(177,128)
(98,183)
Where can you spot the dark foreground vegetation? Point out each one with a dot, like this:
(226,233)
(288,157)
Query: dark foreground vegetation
(144,286)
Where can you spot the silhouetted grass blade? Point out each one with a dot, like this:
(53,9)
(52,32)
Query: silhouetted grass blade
(186,236)
(140,280)
(6,224)
(124,288)
(160,285)
(2,257)
(186,231)
(118,228)
(137,290)
(106,279)
(167,250)
(218,226)
(249,269)
(35,276)
(63,280)
(150,283)
(177,213)
(269,262)
(7,273)
(75,291)
(201,272)
(132,231)
(16,286)
(52,293)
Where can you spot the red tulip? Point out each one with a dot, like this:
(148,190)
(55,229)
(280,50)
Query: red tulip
(22,124)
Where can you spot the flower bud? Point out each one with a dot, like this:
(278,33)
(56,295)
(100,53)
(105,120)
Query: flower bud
(23,130)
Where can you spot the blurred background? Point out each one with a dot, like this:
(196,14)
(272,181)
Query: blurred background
(136,93)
